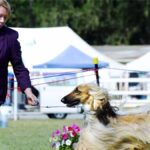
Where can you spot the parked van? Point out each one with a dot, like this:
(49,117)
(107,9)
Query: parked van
(52,89)
(50,101)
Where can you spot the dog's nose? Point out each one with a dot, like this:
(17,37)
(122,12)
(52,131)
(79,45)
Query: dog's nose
(62,100)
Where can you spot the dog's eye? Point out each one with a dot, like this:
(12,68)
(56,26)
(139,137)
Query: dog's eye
(78,92)
(102,99)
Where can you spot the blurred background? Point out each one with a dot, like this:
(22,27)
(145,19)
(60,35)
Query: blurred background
(60,38)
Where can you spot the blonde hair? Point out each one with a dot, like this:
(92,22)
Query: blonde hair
(6,5)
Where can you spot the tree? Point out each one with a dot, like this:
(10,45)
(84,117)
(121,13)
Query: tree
(96,21)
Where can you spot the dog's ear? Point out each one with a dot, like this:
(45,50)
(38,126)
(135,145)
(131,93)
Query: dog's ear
(83,88)
(103,114)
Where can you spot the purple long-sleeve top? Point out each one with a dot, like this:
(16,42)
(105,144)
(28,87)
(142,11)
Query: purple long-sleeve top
(10,51)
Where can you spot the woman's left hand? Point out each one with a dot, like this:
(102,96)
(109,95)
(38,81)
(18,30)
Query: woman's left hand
(31,98)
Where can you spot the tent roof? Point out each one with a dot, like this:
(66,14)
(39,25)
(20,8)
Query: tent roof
(140,64)
(71,58)
(45,44)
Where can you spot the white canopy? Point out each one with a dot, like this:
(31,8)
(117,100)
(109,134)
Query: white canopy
(39,45)
(140,64)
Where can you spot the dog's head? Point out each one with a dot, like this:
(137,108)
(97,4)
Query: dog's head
(92,97)
(85,94)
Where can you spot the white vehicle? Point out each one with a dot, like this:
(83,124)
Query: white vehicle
(52,91)
(50,101)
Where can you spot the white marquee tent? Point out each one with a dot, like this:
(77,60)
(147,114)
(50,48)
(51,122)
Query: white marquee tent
(140,64)
(39,45)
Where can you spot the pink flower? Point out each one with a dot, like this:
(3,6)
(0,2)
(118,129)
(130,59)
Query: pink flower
(73,134)
(65,129)
(76,128)
(64,136)
(70,128)
(57,132)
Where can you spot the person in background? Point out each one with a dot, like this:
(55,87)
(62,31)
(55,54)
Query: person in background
(10,51)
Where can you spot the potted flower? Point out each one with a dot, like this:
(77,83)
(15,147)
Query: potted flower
(66,138)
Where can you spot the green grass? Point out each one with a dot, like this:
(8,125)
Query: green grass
(30,134)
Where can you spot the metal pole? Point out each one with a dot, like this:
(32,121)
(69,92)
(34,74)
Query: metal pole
(15,109)
(95,61)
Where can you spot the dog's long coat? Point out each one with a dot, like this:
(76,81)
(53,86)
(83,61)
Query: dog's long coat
(105,129)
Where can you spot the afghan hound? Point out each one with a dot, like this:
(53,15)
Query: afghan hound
(105,129)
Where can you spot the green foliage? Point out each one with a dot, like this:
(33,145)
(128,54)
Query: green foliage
(97,21)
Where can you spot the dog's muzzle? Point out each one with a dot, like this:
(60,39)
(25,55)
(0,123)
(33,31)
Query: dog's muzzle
(63,100)
(70,103)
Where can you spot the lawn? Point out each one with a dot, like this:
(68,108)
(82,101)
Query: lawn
(30,134)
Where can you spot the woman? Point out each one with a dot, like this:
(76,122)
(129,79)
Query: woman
(10,51)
